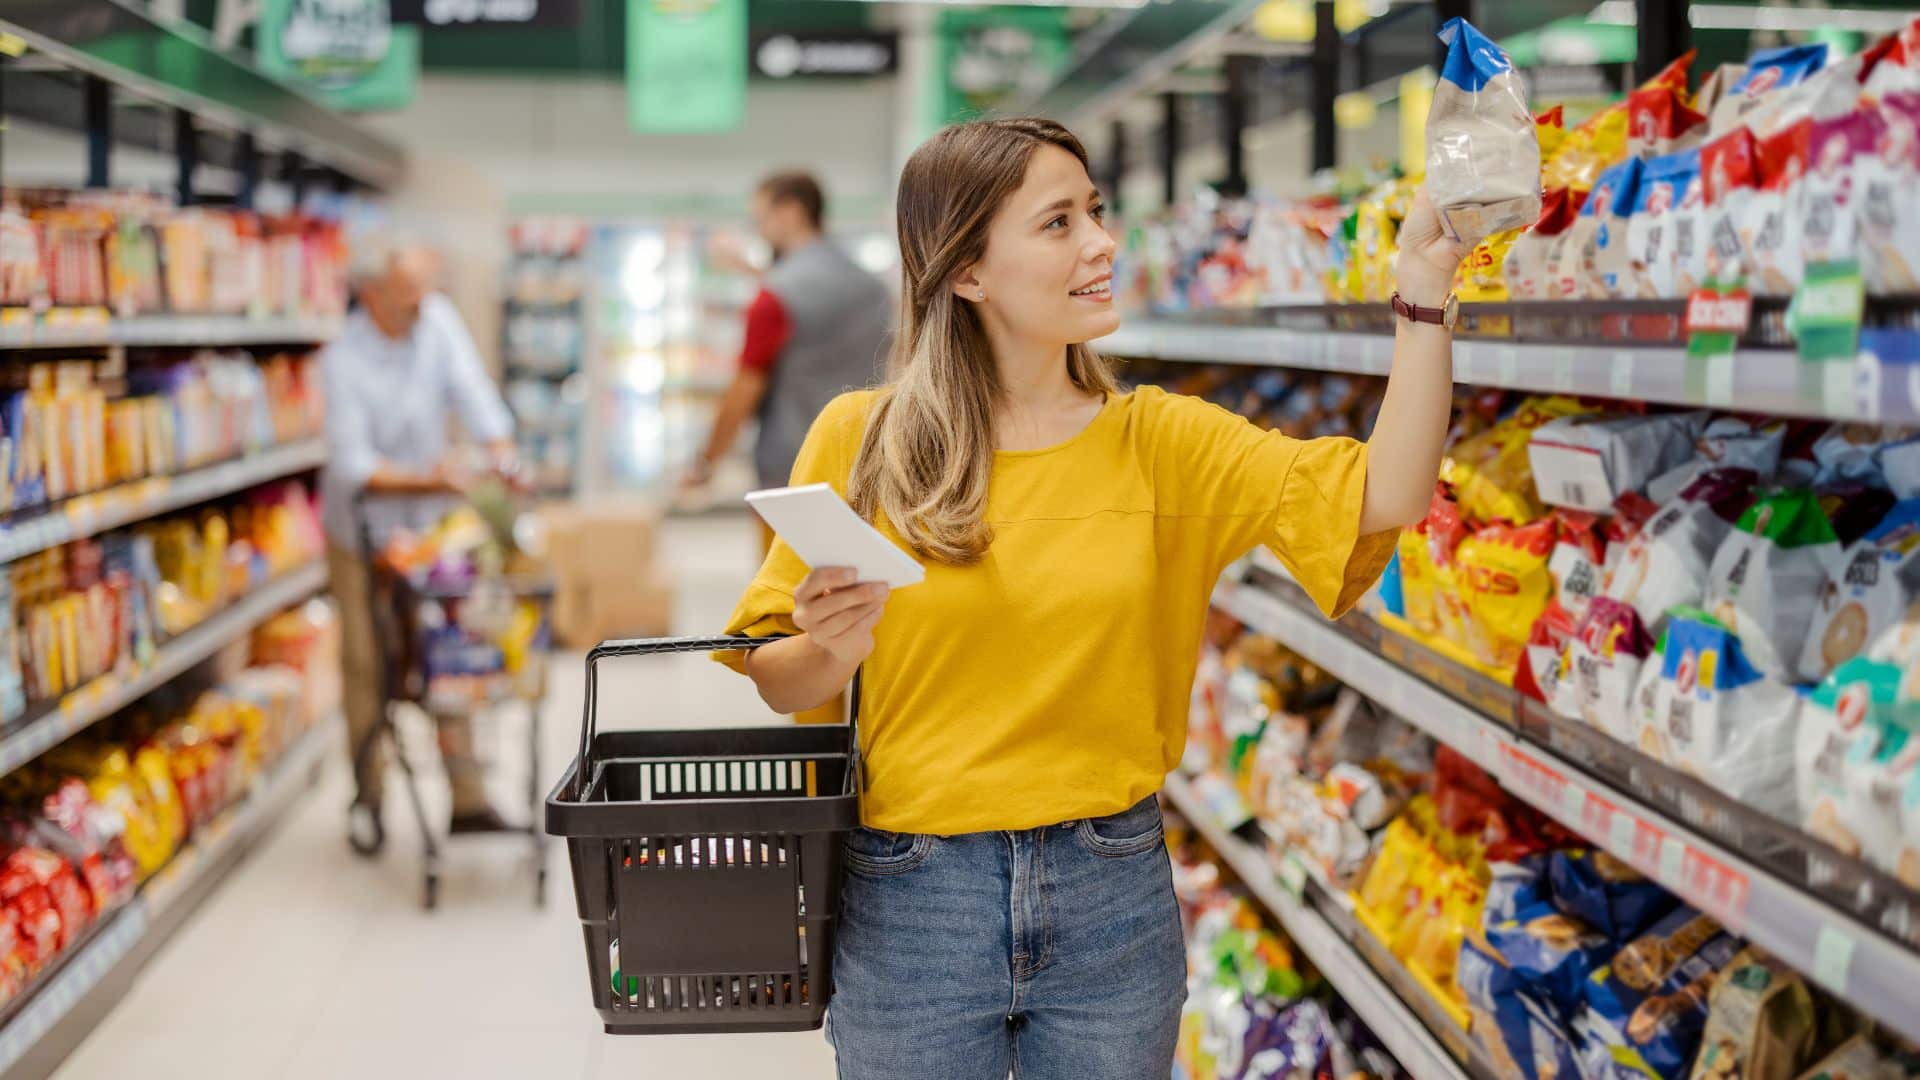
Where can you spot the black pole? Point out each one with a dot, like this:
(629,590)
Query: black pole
(1326,86)
(1116,163)
(1661,33)
(1169,147)
(1444,10)
(1243,73)
(293,174)
(246,155)
(99,110)
(186,147)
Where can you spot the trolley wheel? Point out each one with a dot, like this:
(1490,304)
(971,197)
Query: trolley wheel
(430,897)
(540,889)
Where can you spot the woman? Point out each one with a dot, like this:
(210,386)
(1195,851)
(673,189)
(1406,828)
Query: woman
(1008,905)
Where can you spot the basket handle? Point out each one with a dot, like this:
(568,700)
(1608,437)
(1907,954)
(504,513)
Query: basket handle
(639,647)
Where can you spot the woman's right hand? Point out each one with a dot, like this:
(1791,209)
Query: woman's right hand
(838,613)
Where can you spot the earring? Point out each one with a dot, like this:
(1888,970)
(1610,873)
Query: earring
(981,295)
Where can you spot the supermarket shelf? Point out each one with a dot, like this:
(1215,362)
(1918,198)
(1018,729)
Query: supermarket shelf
(1332,954)
(177,65)
(1772,380)
(94,513)
(70,1002)
(108,694)
(1872,968)
(155,331)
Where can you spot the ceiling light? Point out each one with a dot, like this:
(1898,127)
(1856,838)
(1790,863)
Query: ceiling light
(1755,17)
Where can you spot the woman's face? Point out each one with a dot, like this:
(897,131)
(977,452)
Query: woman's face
(1048,268)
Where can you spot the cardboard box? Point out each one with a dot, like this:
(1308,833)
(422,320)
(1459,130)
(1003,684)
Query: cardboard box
(592,539)
(585,613)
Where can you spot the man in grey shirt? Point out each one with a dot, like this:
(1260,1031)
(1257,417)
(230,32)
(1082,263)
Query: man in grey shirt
(817,328)
(403,361)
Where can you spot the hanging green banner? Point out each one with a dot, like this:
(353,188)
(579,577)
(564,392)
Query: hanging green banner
(347,52)
(686,65)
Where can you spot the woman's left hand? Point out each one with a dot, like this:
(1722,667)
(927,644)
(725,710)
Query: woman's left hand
(1428,259)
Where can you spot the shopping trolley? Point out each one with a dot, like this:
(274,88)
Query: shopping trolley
(706,863)
(418,623)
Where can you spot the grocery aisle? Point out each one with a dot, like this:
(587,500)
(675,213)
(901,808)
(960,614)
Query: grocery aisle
(309,964)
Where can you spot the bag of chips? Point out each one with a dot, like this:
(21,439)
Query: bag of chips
(1483,156)
(1665,565)
(1526,268)
(1663,233)
(1503,569)
(1648,1007)
(1729,178)
(1589,150)
(1890,207)
(1831,230)
(1724,721)
(1660,122)
(1605,655)
(1778,210)
(1520,1034)
(1606,894)
(1598,237)
(1768,71)
(1490,473)
(1764,583)
(1586,462)
(1876,582)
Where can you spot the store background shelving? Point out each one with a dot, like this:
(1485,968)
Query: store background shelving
(544,329)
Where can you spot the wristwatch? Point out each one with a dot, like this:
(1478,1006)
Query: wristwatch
(1445,315)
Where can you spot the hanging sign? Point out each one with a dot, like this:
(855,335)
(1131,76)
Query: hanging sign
(348,52)
(454,14)
(686,65)
(793,56)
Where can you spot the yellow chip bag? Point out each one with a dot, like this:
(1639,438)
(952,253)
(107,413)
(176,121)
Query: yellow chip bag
(1490,473)
(1589,150)
(1503,576)
(1483,275)
(1418,581)
(1373,251)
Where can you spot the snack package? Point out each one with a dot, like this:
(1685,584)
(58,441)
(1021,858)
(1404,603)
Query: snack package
(1647,1008)
(1606,894)
(1578,563)
(1729,177)
(1726,442)
(1645,725)
(1762,1022)
(1598,237)
(1857,1059)
(1503,569)
(1543,674)
(1665,565)
(1723,720)
(1831,229)
(1664,257)
(1491,474)
(1764,583)
(1660,122)
(1605,655)
(1768,71)
(1520,1032)
(1483,156)
(1866,808)
(1778,211)
(1839,715)
(1525,268)
(1482,274)
(1589,150)
(1586,462)
(1889,178)
(1876,582)
(1716,86)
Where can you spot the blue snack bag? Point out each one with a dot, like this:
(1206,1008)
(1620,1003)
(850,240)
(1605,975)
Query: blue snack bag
(1522,1036)
(1483,156)
(1600,233)
(1549,956)
(1647,1008)
(1606,894)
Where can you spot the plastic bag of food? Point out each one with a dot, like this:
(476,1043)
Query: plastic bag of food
(1723,720)
(1762,1022)
(1876,582)
(1589,150)
(1890,208)
(1768,71)
(1586,462)
(1662,233)
(1729,178)
(1521,1036)
(1483,156)
(1716,86)
(1605,655)
(1606,894)
(1598,237)
(1764,583)
(1831,230)
(1837,715)
(1660,121)
(1648,1007)
(1504,571)
(1726,442)
(1490,473)
(1778,210)
(1525,269)
(1666,564)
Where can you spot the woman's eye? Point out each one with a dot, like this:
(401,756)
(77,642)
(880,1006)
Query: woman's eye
(1099,213)
(1058,223)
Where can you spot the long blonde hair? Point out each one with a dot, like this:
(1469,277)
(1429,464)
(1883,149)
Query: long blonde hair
(927,454)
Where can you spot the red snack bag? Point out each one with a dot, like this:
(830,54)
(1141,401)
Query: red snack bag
(1530,255)
(1729,177)
(1659,121)
(1778,211)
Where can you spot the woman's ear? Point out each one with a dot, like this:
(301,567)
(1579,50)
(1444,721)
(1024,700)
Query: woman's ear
(967,287)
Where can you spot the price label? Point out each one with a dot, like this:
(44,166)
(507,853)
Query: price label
(1620,832)
(1563,370)
(1720,379)
(1508,358)
(1838,381)
(1623,376)
(1573,804)
(1673,859)
(1833,958)
(1293,875)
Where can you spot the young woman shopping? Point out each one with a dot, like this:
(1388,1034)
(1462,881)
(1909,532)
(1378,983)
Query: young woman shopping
(1008,906)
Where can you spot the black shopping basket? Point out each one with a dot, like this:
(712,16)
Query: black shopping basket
(706,864)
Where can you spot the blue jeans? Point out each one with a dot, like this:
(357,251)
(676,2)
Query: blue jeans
(1048,954)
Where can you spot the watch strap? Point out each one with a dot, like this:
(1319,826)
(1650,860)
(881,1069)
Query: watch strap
(1435,315)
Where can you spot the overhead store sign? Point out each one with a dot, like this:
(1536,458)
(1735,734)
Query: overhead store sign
(686,65)
(850,55)
(346,51)
(461,13)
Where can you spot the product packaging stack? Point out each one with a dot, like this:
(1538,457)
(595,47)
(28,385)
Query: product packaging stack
(607,582)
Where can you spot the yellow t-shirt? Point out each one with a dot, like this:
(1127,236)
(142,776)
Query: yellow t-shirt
(1049,682)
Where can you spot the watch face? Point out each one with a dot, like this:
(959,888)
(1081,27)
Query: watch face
(1450,312)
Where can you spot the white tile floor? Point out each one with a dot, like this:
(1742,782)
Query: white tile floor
(309,964)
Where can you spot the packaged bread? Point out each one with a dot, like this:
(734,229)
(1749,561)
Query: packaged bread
(1876,581)
(1831,230)
(1587,462)
(1769,71)
(1724,721)
(1528,257)
(1890,207)
(1483,156)
(1666,564)
(1729,179)
(1663,233)
(1598,237)
(1762,1022)
(1777,211)
(1764,583)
